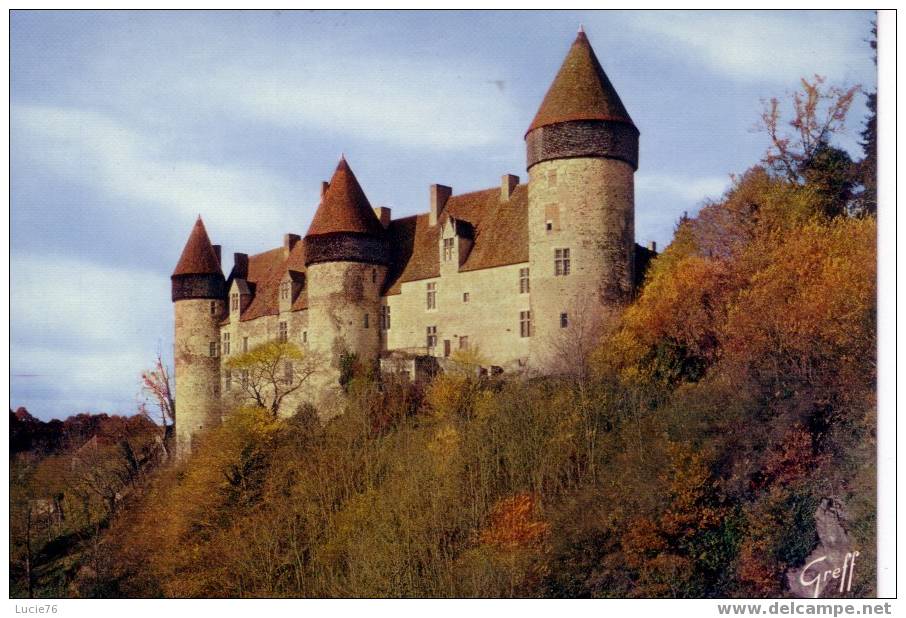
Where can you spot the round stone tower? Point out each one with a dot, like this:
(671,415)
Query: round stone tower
(346,259)
(198,293)
(582,153)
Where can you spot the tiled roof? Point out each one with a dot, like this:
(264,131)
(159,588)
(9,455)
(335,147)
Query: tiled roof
(198,257)
(499,229)
(344,207)
(581,91)
(266,270)
(500,236)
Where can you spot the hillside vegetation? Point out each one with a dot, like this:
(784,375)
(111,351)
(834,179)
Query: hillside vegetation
(729,399)
(686,457)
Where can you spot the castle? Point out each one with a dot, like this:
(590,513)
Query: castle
(506,269)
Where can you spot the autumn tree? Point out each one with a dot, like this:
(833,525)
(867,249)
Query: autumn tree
(583,326)
(804,153)
(867,202)
(268,374)
(157,387)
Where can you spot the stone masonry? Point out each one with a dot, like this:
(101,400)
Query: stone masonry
(507,270)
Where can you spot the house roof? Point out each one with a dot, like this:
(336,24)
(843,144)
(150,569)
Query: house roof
(499,229)
(344,207)
(198,256)
(266,271)
(580,91)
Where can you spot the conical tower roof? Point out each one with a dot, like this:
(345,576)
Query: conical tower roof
(344,207)
(198,257)
(581,91)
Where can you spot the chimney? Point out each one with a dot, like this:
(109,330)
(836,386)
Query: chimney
(217,251)
(324,185)
(508,183)
(241,265)
(439,196)
(383,215)
(289,241)
(652,246)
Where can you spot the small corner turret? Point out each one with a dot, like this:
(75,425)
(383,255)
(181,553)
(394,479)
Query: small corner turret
(582,114)
(198,274)
(345,227)
(198,291)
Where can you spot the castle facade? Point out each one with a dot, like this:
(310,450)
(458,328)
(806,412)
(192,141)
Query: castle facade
(507,270)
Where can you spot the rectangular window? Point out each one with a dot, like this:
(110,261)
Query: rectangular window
(463,342)
(374,275)
(212,349)
(304,336)
(366,320)
(288,372)
(561,262)
(431,299)
(448,249)
(523,281)
(525,323)
(226,344)
(431,339)
(385,317)
(564,320)
(245,378)
(465,297)
(285,289)
(245,344)
(234,302)
(446,348)
(282,332)
(213,307)
(227,380)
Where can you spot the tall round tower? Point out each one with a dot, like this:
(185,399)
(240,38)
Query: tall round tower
(582,153)
(198,293)
(346,258)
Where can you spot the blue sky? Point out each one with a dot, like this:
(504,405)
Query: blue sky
(125,126)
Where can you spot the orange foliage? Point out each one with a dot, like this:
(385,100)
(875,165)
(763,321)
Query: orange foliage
(513,525)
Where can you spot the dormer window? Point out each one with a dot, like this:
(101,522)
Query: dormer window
(448,249)
(234,301)
(285,290)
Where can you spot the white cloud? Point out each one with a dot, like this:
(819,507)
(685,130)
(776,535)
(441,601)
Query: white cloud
(684,188)
(771,46)
(134,166)
(401,102)
(91,338)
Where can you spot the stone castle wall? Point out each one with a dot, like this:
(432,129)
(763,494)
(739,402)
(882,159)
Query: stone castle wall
(585,205)
(490,318)
(583,138)
(340,296)
(197,371)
